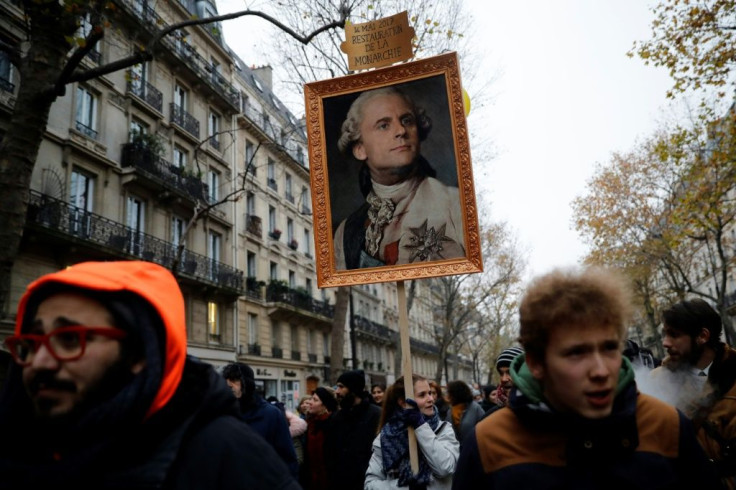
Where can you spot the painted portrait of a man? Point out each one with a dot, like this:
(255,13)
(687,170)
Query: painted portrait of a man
(407,214)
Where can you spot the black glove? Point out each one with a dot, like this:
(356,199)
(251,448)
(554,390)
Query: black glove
(412,415)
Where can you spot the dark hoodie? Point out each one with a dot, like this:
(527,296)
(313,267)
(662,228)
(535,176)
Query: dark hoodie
(643,444)
(173,425)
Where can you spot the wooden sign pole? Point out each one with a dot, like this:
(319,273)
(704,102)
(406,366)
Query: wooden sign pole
(406,370)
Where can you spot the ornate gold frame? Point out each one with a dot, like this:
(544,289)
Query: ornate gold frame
(315,95)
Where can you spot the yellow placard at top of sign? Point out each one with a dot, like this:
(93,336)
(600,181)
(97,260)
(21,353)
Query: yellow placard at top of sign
(378,43)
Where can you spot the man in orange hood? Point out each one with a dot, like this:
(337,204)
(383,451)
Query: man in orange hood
(103,395)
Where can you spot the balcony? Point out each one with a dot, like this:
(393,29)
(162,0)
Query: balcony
(293,244)
(296,356)
(275,234)
(272,184)
(73,224)
(168,175)
(152,23)
(289,197)
(86,130)
(374,331)
(253,225)
(95,56)
(261,121)
(254,349)
(184,120)
(312,358)
(146,92)
(297,305)
(253,288)
(277,352)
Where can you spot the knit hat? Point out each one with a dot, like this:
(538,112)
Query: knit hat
(327,398)
(508,355)
(353,381)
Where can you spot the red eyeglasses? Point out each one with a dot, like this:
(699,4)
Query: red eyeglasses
(64,343)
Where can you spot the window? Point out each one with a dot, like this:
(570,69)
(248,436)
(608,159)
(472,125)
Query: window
(213,180)
(251,264)
(275,334)
(214,243)
(180,157)
(86,112)
(257,83)
(214,130)
(138,77)
(177,230)
(294,338)
(180,97)
(274,271)
(6,73)
(81,195)
(81,192)
(308,286)
(252,328)
(310,341)
(250,153)
(213,320)
(287,188)
(307,240)
(250,204)
(137,128)
(271,219)
(135,219)
(272,175)
(300,155)
(304,200)
(292,279)
(290,230)
(216,68)
(326,344)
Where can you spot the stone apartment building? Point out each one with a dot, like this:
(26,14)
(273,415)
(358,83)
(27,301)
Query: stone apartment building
(129,157)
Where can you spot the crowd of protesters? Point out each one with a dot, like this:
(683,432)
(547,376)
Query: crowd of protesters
(101,394)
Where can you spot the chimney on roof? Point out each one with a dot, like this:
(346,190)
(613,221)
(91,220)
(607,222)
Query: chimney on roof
(265,74)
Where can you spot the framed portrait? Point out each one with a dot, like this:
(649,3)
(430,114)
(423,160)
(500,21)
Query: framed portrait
(391,175)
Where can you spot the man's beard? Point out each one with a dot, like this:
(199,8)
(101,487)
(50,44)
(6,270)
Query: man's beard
(347,401)
(117,377)
(690,359)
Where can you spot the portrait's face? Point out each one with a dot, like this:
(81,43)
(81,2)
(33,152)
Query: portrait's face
(580,371)
(236,386)
(316,406)
(389,138)
(681,348)
(57,388)
(377,394)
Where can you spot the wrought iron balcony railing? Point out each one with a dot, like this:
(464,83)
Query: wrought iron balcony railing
(370,327)
(283,294)
(78,224)
(185,120)
(143,159)
(175,42)
(312,357)
(259,119)
(296,355)
(277,352)
(254,349)
(146,92)
(86,130)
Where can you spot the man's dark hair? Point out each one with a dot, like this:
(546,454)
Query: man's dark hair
(459,392)
(692,315)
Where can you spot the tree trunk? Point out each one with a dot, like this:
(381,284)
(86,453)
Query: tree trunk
(338,333)
(39,69)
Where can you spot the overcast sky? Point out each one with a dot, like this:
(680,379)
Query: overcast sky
(565,97)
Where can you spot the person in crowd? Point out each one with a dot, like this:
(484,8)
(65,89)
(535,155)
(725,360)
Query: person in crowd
(639,356)
(464,412)
(377,391)
(264,418)
(439,399)
(314,470)
(303,407)
(575,419)
(408,216)
(505,384)
(351,432)
(390,466)
(102,394)
(487,402)
(297,430)
(699,377)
